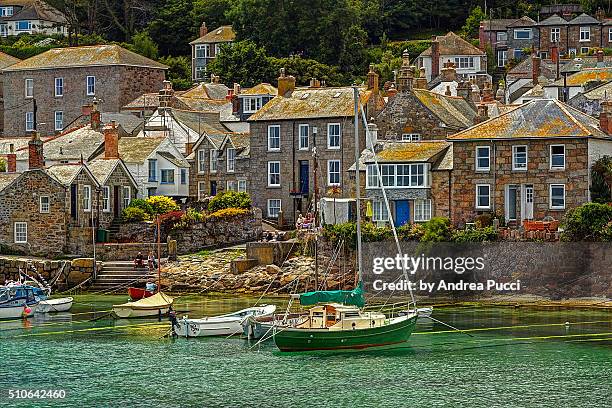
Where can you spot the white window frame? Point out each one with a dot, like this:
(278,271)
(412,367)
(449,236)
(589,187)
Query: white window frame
(478,206)
(270,207)
(251,104)
(610,35)
(20,232)
(28,22)
(271,174)
(503,60)
(29,122)
(584,50)
(127,196)
(331,173)
(6,11)
(59,87)
(411,137)
(504,36)
(166,171)
(379,211)
(304,136)
(478,168)
(29,87)
(44,207)
(106,199)
(331,146)
(214,156)
(152,165)
(231,185)
(422,210)
(555,34)
(514,153)
(550,195)
(585,34)
(274,147)
(59,120)
(91,92)
(390,175)
(205,48)
(550,157)
(202,192)
(372,176)
(242,186)
(523,30)
(464,62)
(87,198)
(201,161)
(231,160)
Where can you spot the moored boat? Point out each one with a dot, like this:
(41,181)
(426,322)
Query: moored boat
(139,293)
(17,302)
(223,325)
(55,305)
(151,306)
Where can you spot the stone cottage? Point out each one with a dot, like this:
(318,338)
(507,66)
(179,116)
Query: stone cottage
(5,61)
(234,165)
(204,164)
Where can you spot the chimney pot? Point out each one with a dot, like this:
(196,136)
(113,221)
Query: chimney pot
(111,141)
(203,29)
(36,158)
(286,84)
(605,117)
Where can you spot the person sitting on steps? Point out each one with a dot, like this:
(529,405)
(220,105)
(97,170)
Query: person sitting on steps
(139,261)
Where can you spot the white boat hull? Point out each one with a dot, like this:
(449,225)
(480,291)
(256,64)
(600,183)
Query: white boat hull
(126,312)
(225,325)
(55,305)
(147,307)
(16,312)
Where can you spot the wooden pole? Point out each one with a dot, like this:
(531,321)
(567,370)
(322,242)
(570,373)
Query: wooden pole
(158,254)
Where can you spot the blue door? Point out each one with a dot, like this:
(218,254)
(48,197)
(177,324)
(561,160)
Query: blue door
(304,170)
(402,212)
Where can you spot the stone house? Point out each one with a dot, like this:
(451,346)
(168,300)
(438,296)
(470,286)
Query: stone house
(5,61)
(590,101)
(234,165)
(206,48)
(507,38)
(531,162)
(580,82)
(60,81)
(253,99)
(576,36)
(31,17)
(204,165)
(303,142)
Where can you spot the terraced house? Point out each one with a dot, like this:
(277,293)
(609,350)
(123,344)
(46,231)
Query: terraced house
(206,47)
(62,80)
(529,163)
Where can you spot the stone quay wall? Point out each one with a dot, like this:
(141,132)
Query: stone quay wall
(61,274)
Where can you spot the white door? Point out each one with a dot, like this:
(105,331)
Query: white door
(528,204)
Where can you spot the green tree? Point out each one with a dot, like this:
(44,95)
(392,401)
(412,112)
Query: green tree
(472,23)
(172,28)
(2,165)
(179,73)
(388,63)
(601,176)
(243,62)
(144,45)
(212,12)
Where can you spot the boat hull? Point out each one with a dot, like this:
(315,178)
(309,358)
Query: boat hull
(16,312)
(203,328)
(396,332)
(126,312)
(55,305)
(139,293)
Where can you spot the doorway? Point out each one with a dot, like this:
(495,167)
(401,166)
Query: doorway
(527,204)
(304,176)
(116,200)
(511,210)
(402,212)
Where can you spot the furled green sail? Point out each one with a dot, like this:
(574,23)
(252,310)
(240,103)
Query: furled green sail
(348,297)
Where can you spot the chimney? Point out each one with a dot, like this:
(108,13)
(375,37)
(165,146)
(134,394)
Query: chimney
(111,141)
(165,94)
(11,162)
(36,159)
(237,89)
(315,83)
(188,148)
(500,95)
(535,68)
(286,84)
(406,74)
(203,29)
(464,90)
(391,92)
(482,38)
(448,92)
(554,53)
(435,57)
(373,79)
(605,117)
(449,73)
(373,131)
(95,116)
(600,15)
(482,113)
(86,110)
(487,92)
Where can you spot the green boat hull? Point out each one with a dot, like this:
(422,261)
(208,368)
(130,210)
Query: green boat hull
(292,339)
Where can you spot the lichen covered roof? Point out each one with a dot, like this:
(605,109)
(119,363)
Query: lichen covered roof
(65,173)
(452,44)
(6,179)
(434,152)
(138,149)
(305,103)
(103,168)
(177,161)
(586,75)
(260,89)
(539,118)
(72,145)
(7,60)
(598,93)
(453,111)
(94,55)
(200,121)
(17,142)
(207,90)
(218,35)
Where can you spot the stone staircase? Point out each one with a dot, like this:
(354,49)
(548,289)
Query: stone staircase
(113,229)
(117,276)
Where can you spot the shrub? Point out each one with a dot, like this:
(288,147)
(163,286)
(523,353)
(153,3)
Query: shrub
(438,229)
(229,199)
(348,232)
(486,234)
(171,218)
(606,233)
(587,222)
(162,205)
(134,214)
(142,204)
(483,220)
(410,232)
(193,215)
(229,212)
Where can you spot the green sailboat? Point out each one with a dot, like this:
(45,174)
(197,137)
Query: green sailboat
(337,320)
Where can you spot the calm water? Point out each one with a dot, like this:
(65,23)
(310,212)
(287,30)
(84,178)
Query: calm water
(106,363)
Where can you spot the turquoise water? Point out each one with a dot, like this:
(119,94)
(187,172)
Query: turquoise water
(105,363)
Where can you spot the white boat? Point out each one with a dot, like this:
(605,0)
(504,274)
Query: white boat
(55,305)
(223,325)
(17,301)
(151,306)
(424,311)
(16,312)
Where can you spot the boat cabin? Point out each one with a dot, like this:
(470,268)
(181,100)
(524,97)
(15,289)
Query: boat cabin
(335,316)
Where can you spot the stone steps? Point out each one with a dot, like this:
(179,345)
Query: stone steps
(119,275)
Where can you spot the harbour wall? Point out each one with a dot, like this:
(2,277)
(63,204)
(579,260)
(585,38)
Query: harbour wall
(61,274)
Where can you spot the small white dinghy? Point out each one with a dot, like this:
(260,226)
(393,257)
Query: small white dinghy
(55,305)
(224,325)
(16,312)
(150,306)
(424,311)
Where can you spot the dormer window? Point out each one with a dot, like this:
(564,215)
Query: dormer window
(6,11)
(252,104)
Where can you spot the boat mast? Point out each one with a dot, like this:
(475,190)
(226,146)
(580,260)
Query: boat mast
(158,254)
(357,183)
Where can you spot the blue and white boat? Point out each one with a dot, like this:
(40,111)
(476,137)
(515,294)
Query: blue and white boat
(17,301)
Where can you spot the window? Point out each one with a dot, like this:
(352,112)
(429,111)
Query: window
(557,157)
(333,172)
(106,199)
(59,120)
(202,50)
(217,49)
(411,137)
(3,30)
(585,33)
(397,175)
(86,198)
(584,50)
(44,204)
(543,55)
(6,11)
(417,175)
(333,136)
(483,158)
(242,186)
(59,86)
(422,210)
(610,35)
(91,85)
(21,232)
(557,196)
(29,122)
(152,170)
(555,34)
(274,174)
(167,176)
(274,207)
(200,72)
(183,176)
(29,88)
(273,137)
(572,52)
(518,54)
(371,176)
(519,158)
(304,131)
(464,62)
(388,175)
(379,211)
(214,156)
(201,190)
(522,33)
(252,104)
(231,160)
(483,196)
(502,58)
(232,185)
(127,196)
(201,161)
(23,25)
(502,36)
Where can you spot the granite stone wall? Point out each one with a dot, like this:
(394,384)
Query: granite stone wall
(61,274)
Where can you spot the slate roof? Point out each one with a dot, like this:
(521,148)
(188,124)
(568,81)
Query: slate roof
(34,10)
(215,139)
(241,142)
(434,152)
(7,60)
(598,93)
(6,179)
(578,64)
(537,119)
(17,142)
(260,89)
(452,44)
(177,161)
(586,75)
(127,121)
(67,173)
(304,103)
(553,20)
(218,35)
(138,149)
(94,55)
(69,146)
(524,21)
(223,107)
(583,19)
(524,69)
(497,24)
(206,90)
(150,101)
(199,121)
(102,169)
(452,110)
